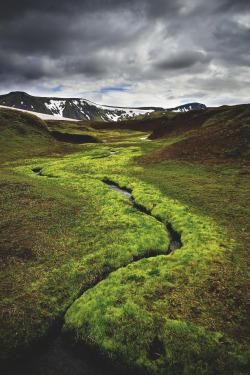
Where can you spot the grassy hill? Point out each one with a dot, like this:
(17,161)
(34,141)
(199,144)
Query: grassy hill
(23,135)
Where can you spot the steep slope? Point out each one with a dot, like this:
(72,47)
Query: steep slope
(213,135)
(81,109)
(23,135)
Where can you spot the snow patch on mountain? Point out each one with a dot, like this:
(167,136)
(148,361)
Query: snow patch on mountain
(42,116)
(56,106)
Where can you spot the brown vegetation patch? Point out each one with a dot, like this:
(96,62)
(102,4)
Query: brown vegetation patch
(213,135)
(144,125)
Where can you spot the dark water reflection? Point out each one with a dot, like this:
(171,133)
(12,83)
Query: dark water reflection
(58,359)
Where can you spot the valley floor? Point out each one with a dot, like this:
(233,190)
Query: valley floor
(77,252)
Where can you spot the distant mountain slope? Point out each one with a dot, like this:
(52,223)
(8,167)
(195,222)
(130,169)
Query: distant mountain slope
(81,109)
(182,108)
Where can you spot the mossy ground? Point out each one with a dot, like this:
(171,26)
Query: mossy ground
(184,313)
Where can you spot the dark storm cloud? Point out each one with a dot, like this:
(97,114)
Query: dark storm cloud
(233,37)
(232,5)
(57,32)
(129,40)
(183,60)
(89,66)
(15,8)
(29,68)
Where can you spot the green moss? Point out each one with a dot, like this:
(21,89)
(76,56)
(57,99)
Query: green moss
(133,318)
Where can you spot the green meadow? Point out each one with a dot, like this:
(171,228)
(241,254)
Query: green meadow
(78,255)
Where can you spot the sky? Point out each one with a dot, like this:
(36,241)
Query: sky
(127,52)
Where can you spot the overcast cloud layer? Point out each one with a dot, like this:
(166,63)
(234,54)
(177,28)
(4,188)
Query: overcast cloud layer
(127,52)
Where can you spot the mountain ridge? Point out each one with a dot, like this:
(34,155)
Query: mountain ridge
(82,109)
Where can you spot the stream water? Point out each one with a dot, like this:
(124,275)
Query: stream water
(37,171)
(174,237)
(56,358)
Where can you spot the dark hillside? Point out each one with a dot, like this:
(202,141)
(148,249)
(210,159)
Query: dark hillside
(214,135)
(77,132)
(24,101)
(161,124)
(68,126)
(74,138)
(144,125)
(184,122)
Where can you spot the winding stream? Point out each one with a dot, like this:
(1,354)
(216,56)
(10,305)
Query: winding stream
(56,358)
(174,237)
